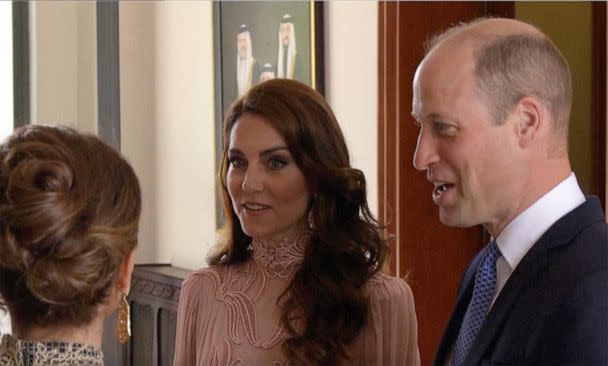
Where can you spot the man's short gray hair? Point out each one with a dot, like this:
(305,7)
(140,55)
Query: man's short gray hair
(515,66)
(508,68)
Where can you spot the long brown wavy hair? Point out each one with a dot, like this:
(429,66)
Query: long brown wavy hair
(69,214)
(323,308)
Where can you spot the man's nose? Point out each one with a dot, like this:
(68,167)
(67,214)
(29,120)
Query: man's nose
(426,151)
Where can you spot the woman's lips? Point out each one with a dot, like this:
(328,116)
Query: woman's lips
(255,209)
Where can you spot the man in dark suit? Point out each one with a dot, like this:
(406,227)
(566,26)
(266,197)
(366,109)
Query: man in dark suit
(493,99)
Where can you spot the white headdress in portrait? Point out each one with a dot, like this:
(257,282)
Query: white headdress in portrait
(267,72)
(244,66)
(286,22)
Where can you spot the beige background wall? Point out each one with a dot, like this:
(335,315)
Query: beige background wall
(6,69)
(63,63)
(167,113)
(351,52)
(569,25)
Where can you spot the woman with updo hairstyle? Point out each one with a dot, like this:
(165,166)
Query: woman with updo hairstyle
(296,278)
(69,213)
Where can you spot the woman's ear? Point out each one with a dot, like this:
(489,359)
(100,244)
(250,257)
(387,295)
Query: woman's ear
(123,282)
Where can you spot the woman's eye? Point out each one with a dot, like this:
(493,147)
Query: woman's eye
(276,163)
(236,162)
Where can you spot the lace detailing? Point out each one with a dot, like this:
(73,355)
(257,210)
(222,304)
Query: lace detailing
(242,289)
(17,352)
(225,357)
(281,258)
(239,289)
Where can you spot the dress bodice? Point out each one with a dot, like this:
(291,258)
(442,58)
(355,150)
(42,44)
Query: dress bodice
(229,314)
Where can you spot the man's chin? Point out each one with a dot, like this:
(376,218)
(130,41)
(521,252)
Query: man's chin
(454,218)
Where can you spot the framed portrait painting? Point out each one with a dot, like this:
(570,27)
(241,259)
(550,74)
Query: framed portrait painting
(259,40)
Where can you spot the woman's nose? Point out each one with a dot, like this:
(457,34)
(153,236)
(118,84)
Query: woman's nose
(253,180)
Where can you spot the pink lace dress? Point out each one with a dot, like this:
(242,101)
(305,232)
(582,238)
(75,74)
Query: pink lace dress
(228,314)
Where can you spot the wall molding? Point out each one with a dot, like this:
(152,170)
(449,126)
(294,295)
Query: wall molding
(108,73)
(21,63)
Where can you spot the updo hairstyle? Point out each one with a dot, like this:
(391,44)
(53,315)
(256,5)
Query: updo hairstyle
(69,213)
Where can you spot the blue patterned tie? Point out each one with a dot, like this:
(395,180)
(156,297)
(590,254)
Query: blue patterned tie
(483,292)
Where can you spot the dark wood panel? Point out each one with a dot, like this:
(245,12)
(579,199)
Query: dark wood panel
(505,9)
(387,121)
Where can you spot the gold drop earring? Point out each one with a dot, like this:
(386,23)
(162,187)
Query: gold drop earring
(123,325)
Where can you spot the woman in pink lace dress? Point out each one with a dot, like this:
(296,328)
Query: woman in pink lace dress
(297,279)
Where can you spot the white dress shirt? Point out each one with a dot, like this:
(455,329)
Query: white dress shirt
(518,237)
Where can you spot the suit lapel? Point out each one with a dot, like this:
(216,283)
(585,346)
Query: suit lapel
(561,233)
(531,264)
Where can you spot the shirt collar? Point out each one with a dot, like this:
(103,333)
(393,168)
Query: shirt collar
(523,231)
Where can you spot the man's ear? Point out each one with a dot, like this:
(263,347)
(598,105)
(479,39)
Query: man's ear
(530,117)
(123,282)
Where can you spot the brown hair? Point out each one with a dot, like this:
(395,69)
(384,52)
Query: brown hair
(69,213)
(346,248)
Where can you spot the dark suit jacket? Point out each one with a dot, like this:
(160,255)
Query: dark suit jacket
(553,310)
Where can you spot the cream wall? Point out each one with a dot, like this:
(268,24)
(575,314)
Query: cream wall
(6,70)
(351,51)
(63,63)
(167,121)
(139,122)
(187,184)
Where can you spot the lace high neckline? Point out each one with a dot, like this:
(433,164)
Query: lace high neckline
(279,258)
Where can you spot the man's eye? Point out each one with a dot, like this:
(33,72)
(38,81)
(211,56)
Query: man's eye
(236,162)
(276,163)
(444,128)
